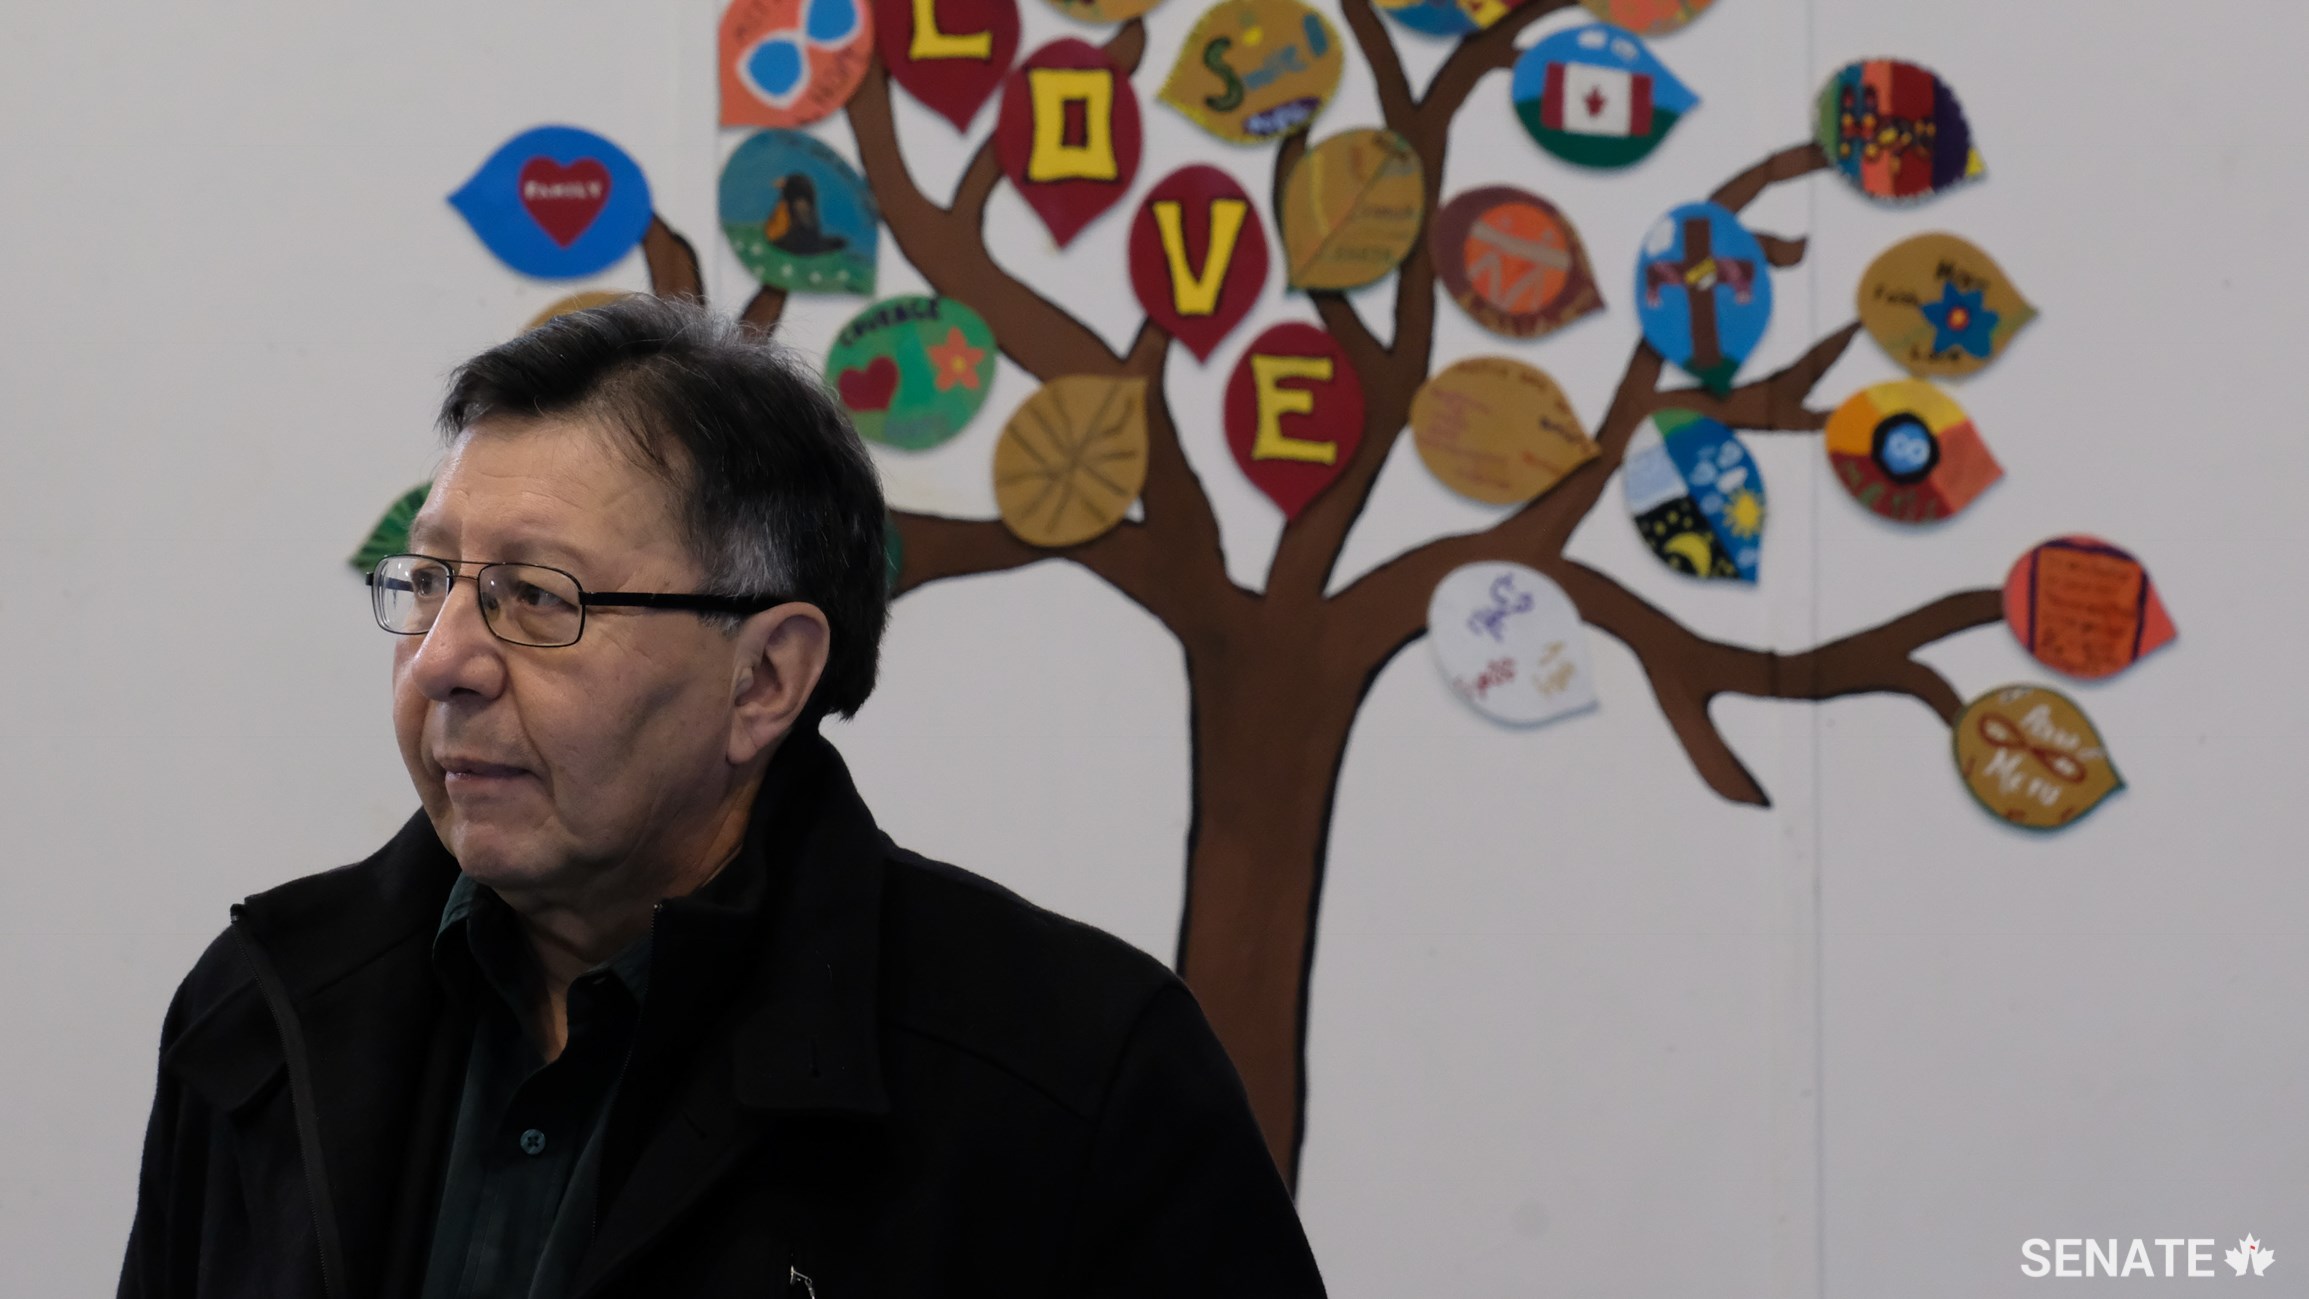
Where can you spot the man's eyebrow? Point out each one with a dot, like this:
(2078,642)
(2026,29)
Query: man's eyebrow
(515,546)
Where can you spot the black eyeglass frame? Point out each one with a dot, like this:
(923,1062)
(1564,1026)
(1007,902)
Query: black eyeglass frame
(689,602)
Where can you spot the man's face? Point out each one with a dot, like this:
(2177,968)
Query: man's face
(543,770)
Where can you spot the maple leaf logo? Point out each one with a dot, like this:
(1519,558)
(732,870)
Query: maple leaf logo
(2250,1252)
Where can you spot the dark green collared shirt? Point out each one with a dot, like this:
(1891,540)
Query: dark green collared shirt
(518,1202)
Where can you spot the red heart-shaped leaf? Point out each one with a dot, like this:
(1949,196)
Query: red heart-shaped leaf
(869,387)
(563,201)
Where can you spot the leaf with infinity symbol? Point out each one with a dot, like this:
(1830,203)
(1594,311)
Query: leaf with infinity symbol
(2032,757)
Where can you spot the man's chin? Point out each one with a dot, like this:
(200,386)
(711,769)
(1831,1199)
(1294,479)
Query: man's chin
(501,857)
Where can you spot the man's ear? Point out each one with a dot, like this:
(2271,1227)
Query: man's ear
(781,653)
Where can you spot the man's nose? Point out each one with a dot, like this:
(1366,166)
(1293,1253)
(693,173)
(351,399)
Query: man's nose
(459,653)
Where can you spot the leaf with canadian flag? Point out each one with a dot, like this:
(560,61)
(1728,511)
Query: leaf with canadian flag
(1596,96)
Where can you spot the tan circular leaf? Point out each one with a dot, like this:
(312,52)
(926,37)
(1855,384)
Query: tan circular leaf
(585,301)
(1497,430)
(1072,459)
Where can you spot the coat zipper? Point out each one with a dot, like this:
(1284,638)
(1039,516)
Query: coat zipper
(292,1034)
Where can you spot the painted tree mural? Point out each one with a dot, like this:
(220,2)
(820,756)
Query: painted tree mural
(1277,674)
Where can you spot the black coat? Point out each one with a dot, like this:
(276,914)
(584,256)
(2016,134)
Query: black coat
(920,1085)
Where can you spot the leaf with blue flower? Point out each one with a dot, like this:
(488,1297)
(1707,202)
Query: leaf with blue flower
(1961,320)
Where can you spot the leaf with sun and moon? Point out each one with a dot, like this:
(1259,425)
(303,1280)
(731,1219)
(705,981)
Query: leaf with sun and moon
(1697,496)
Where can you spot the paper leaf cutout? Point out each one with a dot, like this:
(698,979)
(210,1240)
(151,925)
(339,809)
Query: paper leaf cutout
(791,62)
(391,535)
(1068,135)
(1703,292)
(1939,306)
(557,203)
(1908,452)
(1697,496)
(1649,17)
(1104,11)
(950,54)
(1198,256)
(1351,210)
(912,371)
(1597,96)
(585,301)
(1448,17)
(1512,262)
(1256,70)
(2083,607)
(798,216)
(1510,643)
(1072,459)
(1894,131)
(2032,757)
(1294,414)
(1497,431)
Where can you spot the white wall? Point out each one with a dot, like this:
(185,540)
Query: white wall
(1578,1026)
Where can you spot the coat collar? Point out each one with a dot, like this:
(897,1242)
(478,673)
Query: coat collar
(787,941)
(790,947)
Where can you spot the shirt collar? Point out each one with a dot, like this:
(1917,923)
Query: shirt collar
(480,934)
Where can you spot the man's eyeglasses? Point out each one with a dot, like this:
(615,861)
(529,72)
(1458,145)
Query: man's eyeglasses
(525,604)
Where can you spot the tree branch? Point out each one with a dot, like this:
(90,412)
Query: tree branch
(672,262)
(1774,403)
(1428,128)
(1176,506)
(934,548)
(1310,545)
(763,312)
(1338,314)
(1688,671)
(1171,564)
(1780,252)
(1488,51)
(1395,105)
(1788,164)
(949,248)
(1127,557)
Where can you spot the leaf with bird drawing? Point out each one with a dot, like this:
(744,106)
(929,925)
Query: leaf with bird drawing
(1072,459)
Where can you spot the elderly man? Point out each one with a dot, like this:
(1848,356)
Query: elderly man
(641,1003)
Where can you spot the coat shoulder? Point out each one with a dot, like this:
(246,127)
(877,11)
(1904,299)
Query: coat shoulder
(975,968)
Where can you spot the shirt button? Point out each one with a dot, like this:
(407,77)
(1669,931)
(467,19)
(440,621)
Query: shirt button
(532,1142)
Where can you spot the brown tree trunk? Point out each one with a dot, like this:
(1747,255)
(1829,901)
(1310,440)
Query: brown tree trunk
(1269,731)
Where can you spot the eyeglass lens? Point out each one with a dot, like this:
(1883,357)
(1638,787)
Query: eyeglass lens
(522,603)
